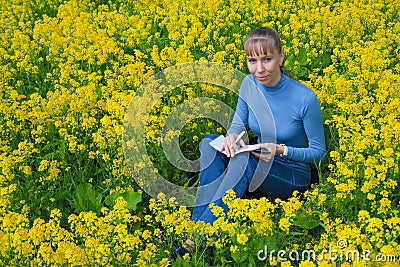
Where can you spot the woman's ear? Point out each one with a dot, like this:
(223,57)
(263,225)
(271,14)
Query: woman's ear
(282,58)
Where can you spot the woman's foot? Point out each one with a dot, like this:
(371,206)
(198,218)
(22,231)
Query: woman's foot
(186,248)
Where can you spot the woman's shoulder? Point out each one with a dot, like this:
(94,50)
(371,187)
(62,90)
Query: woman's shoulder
(301,91)
(295,83)
(248,83)
(250,77)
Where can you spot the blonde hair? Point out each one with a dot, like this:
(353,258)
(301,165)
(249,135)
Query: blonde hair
(262,40)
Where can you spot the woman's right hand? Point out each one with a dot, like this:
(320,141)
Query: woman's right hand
(230,145)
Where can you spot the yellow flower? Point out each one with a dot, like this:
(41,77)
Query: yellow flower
(284,224)
(363,215)
(146,234)
(307,263)
(233,248)
(242,238)
(286,264)
(217,210)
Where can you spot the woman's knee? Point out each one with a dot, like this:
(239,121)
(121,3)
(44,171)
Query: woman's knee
(204,145)
(207,138)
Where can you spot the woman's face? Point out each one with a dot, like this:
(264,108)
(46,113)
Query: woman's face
(265,68)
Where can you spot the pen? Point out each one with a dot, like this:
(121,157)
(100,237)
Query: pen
(238,138)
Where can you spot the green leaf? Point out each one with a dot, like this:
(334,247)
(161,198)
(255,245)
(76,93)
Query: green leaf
(86,198)
(180,262)
(251,262)
(99,93)
(110,199)
(132,198)
(302,57)
(306,221)
(239,256)
(297,233)
(271,243)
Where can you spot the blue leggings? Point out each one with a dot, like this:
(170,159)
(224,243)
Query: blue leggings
(220,173)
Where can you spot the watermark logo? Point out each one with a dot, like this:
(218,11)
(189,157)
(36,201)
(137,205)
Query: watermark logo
(339,253)
(146,98)
(341,243)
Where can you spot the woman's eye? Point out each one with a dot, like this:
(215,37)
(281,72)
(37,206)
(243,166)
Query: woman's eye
(251,60)
(267,59)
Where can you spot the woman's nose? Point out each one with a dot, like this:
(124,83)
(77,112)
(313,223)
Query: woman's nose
(260,67)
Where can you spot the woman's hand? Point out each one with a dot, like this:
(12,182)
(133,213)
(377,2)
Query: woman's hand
(230,145)
(272,148)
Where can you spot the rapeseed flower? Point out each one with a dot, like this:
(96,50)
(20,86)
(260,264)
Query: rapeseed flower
(69,71)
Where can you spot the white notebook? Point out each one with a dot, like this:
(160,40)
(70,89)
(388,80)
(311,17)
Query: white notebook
(218,143)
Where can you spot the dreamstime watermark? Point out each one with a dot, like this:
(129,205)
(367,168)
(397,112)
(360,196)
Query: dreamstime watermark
(148,97)
(340,253)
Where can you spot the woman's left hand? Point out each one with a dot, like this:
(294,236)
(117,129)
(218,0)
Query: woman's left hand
(270,147)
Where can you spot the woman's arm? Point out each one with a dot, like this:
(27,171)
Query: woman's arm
(313,127)
(312,124)
(241,116)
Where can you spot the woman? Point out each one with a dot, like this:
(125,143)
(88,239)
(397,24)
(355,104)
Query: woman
(286,117)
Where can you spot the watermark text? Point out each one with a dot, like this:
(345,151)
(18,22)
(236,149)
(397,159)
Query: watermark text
(340,253)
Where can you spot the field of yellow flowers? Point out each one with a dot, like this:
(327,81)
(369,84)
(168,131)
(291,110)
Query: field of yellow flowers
(68,70)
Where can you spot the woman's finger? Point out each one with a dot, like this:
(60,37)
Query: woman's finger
(242,143)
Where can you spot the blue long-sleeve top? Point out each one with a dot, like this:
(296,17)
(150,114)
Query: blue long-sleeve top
(288,113)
